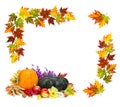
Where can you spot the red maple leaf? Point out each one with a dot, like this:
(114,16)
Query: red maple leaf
(103,62)
(62,75)
(45,13)
(51,20)
(110,57)
(18,33)
(63,11)
(102,44)
(20,51)
(10,39)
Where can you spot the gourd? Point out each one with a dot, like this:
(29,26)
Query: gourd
(60,83)
(27,78)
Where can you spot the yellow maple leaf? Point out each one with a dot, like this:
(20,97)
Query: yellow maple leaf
(99,87)
(54,12)
(19,42)
(14,57)
(69,16)
(108,38)
(24,13)
(102,53)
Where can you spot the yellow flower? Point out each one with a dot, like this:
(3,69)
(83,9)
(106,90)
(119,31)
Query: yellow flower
(53,92)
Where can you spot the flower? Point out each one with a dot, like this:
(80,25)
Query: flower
(53,92)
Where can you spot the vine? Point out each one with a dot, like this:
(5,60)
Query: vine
(35,16)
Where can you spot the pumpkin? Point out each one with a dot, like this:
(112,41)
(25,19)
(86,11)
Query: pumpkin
(60,83)
(27,78)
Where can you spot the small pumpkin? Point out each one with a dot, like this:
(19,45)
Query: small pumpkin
(27,78)
(60,83)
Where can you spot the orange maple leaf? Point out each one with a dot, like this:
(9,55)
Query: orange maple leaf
(99,18)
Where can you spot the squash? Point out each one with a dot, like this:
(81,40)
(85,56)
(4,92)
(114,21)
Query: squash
(60,83)
(27,78)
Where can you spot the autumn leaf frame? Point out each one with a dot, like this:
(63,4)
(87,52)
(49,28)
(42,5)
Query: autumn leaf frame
(35,16)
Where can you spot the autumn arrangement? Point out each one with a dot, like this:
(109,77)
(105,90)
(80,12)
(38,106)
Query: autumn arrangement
(32,81)
(105,69)
(35,16)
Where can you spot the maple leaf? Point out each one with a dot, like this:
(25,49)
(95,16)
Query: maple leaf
(34,12)
(108,78)
(51,20)
(12,48)
(102,44)
(109,48)
(45,13)
(19,23)
(29,20)
(101,73)
(18,33)
(14,57)
(62,75)
(108,38)
(20,51)
(9,27)
(69,16)
(63,11)
(12,17)
(103,62)
(102,53)
(99,18)
(19,42)
(59,18)
(94,89)
(10,39)
(54,12)
(110,57)
(39,22)
(23,12)
(111,68)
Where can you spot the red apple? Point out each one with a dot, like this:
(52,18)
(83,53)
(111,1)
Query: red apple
(44,92)
(36,89)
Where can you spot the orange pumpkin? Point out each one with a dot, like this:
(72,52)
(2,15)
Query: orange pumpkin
(27,78)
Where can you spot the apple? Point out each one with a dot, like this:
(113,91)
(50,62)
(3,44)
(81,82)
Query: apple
(44,92)
(36,89)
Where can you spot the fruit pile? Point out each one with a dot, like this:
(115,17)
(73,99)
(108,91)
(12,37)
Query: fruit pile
(47,84)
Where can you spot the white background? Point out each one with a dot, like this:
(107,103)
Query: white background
(69,47)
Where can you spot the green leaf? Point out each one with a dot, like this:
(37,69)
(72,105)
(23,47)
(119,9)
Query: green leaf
(13,17)
(19,23)
(101,72)
(34,12)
